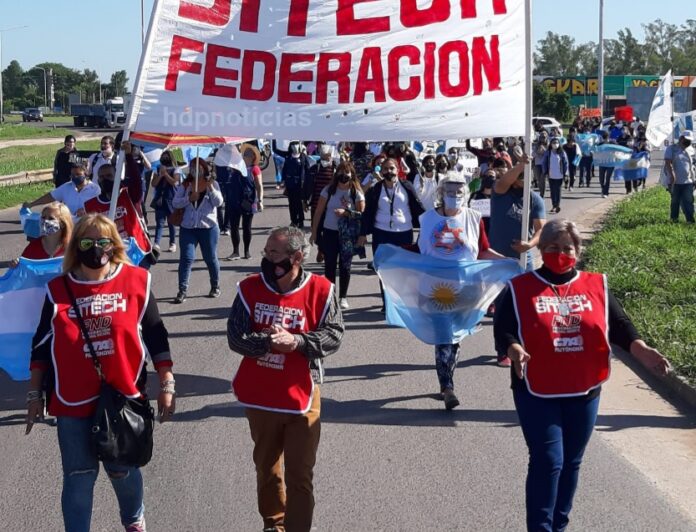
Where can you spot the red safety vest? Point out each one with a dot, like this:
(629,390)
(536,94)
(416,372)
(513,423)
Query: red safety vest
(567,337)
(280,382)
(112,310)
(128,221)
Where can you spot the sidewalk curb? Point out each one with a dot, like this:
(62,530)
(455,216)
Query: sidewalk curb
(33,176)
(674,385)
(591,224)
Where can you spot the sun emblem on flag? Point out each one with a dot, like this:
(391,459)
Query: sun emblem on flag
(444,296)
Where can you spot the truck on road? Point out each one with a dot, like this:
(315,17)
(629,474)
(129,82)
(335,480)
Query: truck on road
(103,115)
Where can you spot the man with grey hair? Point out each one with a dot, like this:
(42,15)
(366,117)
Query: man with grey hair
(283,322)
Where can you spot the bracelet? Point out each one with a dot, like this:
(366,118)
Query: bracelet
(166,383)
(34,395)
(169,389)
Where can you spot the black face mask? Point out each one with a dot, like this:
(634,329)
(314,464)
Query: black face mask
(268,268)
(107,186)
(95,257)
(442,166)
(343,179)
(430,167)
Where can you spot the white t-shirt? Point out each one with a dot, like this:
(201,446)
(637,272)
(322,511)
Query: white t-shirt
(555,170)
(393,213)
(73,199)
(450,237)
(96,161)
(341,199)
(425,188)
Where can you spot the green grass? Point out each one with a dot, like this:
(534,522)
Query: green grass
(17,194)
(23,131)
(57,119)
(17,159)
(650,264)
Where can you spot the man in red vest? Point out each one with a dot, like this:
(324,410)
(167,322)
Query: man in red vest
(284,321)
(128,217)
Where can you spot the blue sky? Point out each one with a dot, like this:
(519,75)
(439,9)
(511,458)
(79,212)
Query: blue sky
(105,35)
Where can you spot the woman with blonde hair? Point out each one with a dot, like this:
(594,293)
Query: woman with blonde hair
(116,305)
(56,228)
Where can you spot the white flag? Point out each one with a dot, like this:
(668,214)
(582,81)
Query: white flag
(660,121)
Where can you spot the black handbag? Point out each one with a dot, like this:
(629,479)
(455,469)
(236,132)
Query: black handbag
(122,427)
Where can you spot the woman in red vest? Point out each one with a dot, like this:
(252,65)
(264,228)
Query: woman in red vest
(56,227)
(557,324)
(121,314)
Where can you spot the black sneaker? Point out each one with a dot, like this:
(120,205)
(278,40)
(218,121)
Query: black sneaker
(180,298)
(214,292)
(450,399)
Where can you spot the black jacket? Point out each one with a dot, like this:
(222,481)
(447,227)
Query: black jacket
(372,199)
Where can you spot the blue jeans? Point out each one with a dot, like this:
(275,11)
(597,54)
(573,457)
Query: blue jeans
(80,470)
(556,432)
(682,196)
(605,173)
(161,220)
(446,357)
(555,186)
(207,239)
(279,163)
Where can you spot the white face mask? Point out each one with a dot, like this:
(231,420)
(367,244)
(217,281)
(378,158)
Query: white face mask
(452,203)
(324,163)
(50,227)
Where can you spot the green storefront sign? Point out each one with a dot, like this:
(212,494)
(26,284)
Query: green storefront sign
(583,90)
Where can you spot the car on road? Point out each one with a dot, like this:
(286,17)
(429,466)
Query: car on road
(32,114)
(547,122)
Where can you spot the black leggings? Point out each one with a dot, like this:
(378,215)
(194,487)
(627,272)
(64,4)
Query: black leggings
(330,246)
(235,215)
(403,238)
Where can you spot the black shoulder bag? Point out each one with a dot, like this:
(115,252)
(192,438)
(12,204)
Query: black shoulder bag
(122,427)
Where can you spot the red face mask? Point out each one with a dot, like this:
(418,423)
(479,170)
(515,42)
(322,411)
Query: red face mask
(558,262)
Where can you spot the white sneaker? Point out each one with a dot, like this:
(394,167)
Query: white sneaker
(343,303)
(172,248)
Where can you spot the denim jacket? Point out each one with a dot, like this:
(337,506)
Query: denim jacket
(203,216)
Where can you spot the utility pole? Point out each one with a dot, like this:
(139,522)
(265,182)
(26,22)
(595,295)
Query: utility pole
(600,48)
(44,76)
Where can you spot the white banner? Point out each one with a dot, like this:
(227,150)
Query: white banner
(659,126)
(335,69)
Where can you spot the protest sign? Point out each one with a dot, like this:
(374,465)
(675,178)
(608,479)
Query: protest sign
(340,69)
(590,112)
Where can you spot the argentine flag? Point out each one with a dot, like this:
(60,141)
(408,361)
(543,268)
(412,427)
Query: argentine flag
(439,301)
(22,293)
(587,141)
(610,155)
(635,168)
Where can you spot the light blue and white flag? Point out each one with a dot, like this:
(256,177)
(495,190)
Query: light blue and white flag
(610,155)
(660,126)
(22,293)
(587,141)
(635,168)
(439,301)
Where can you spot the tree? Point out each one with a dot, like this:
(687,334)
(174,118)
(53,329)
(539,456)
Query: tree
(13,81)
(661,40)
(119,83)
(556,55)
(547,103)
(624,55)
(588,62)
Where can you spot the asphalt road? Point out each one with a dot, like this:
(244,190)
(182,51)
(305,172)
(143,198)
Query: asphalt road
(390,457)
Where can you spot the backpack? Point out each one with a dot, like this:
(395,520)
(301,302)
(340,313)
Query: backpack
(247,201)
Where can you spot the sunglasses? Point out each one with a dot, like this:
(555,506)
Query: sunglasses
(88,243)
